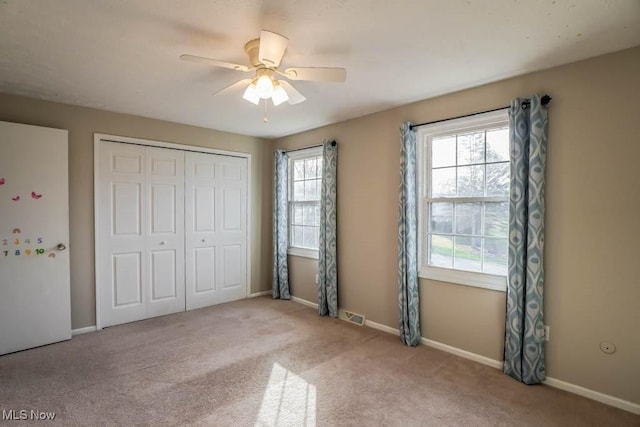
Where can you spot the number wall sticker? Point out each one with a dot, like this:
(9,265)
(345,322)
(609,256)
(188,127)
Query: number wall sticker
(22,246)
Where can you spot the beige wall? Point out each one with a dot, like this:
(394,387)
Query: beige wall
(592,289)
(82,123)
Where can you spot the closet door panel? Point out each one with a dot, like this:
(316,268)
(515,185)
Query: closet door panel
(215,206)
(200,223)
(121,232)
(165,234)
(232,235)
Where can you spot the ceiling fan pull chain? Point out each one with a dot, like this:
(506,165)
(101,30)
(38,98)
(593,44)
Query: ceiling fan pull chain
(265,118)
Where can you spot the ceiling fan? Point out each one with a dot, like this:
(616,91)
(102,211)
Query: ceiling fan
(265,55)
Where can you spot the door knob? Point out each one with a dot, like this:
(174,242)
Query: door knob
(61,247)
(162,243)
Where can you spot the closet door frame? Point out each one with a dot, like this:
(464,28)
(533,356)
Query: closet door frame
(97,138)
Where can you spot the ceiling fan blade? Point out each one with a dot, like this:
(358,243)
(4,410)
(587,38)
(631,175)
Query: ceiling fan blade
(295,97)
(272,47)
(238,84)
(215,63)
(320,74)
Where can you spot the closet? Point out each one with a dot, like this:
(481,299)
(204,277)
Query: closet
(171,230)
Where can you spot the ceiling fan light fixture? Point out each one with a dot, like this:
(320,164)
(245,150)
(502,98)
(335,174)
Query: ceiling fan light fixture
(264,86)
(279,94)
(251,94)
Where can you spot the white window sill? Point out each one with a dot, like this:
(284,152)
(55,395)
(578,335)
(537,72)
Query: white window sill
(466,278)
(303,252)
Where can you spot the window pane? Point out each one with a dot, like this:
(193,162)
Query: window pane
(298,170)
(496,219)
(469,218)
(498,179)
(440,251)
(467,252)
(310,168)
(316,212)
(296,236)
(498,145)
(311,190)
(471,181)
(309,217)
(443,182)
(319,167)
(310,239)
(495,256)
(315,237)
(471,148)
(441,218)
(297,214)
(298,190)
(443,151)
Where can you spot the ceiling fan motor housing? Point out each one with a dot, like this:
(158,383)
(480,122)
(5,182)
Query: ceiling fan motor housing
(252,47)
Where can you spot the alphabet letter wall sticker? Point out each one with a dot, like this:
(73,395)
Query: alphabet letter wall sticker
(15,198)
(35,196)
(16,231)
(1,181)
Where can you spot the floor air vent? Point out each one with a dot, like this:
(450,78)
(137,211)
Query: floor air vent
(358,319)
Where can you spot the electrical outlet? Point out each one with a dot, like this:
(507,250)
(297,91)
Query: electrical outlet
(547,332)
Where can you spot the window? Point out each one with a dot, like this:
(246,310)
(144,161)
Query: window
(305,180)
(464,214)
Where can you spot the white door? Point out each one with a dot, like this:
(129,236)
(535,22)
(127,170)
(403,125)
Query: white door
(215,229)
(35,306)
(140,256)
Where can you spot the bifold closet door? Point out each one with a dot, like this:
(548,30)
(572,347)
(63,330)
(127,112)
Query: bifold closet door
(140,232)
(215,229)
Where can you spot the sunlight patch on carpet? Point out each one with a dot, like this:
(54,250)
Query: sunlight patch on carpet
(288,400)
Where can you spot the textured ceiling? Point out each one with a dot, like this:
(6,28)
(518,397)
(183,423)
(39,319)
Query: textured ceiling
(123,55)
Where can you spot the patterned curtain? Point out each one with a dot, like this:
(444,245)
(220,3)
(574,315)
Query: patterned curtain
(280,268)
(327,264)
(524,337)
(408,300)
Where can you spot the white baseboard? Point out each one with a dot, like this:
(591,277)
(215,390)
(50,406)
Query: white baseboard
(594,395)
(304,302)
(497,364)
(381,327)
(83,330)
(259,294)
(462,353)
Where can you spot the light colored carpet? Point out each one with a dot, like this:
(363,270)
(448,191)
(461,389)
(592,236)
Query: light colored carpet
(266,362)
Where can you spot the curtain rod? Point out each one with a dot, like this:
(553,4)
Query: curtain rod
(333,144)
(545,100)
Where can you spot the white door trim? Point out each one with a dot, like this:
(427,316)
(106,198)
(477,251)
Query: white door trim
(97,137)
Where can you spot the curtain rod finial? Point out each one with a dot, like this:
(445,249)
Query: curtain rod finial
(546,99)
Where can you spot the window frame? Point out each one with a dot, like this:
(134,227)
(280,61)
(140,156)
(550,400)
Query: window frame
(307,153)
(424,136)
